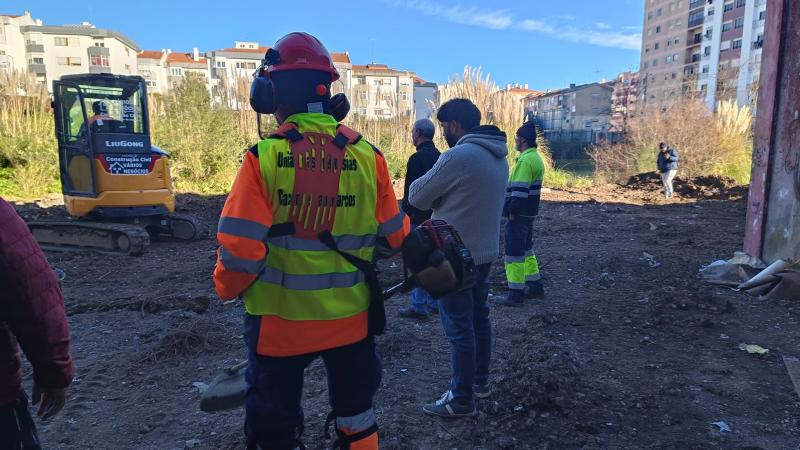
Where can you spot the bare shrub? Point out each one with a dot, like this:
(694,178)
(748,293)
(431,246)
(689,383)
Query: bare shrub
(709,144)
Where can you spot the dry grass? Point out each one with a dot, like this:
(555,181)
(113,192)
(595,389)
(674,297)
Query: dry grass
(27,143)
(188,337)
(708,144)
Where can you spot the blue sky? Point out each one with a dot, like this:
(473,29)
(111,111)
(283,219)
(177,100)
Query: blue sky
(545,43)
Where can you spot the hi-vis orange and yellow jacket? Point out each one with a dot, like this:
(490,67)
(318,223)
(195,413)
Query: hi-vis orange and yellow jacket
(316,176)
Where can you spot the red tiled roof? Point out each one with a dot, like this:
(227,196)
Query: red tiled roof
(13,16)
(524,91)
(418,80)
(150,54)
(186,58)
(341,57)
(260,49)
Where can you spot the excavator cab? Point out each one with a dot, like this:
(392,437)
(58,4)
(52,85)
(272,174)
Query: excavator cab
(109,169)
(112,177)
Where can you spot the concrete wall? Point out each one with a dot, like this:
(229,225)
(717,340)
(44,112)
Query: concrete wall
(773,216)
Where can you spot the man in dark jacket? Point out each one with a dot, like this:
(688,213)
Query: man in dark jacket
(667,167)
(418,165)
(31,314)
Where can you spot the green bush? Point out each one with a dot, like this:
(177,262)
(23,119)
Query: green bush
(28,150)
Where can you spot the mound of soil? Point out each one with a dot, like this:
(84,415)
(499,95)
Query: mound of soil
(703,187)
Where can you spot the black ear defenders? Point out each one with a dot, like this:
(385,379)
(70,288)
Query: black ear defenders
(262,94)
(339,106)
(262,90)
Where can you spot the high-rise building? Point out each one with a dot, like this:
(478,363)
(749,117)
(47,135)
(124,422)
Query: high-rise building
(730,63)
(707,49)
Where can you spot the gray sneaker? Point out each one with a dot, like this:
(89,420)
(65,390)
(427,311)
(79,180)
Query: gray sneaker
(447,406)
(482,390)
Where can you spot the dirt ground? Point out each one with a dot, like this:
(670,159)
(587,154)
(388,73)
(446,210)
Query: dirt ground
(629,350)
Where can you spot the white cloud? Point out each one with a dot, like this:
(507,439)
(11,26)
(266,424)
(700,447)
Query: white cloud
(563,28)
(494,19)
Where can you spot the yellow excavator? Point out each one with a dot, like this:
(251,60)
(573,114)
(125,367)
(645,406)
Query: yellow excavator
(116,184)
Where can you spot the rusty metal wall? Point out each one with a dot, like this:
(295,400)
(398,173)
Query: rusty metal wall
(773,216)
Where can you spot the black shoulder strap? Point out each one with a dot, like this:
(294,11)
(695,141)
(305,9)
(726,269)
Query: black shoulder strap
(365,266)
(288,131)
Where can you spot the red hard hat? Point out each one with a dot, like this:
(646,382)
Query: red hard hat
(300,51)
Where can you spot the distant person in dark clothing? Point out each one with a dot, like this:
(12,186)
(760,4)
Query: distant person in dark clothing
(32,316)
(418,165)
(667,167)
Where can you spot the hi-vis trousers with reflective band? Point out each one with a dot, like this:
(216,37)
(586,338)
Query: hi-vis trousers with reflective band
(275,385)
(521,263)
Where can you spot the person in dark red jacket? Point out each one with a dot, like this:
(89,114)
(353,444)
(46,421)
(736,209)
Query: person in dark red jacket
(32,316)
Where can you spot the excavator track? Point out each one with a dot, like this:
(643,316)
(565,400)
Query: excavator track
(97,236)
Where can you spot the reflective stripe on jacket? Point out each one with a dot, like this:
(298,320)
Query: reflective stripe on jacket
(311,298)
(524,189)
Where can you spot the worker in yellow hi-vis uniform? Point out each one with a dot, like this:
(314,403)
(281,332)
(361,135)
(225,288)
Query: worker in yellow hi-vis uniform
(521,207)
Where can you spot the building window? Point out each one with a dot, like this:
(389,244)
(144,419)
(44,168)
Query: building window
(251,65)
(649,31)
(660,12)
(99,44)
(707,51)
(711,12)
(727,26)
(220,64)
(738,23)
(68,61)
(728,7)
(674,75)
(646,64)
(737,43)
(675,57)
(668,59)
(655,63)
(176,71)
(36,60)
(152,83)
(98,60)
(705,69)
(658,29)
(128,67)
(762,15)
(656,46)
(740,3)
(725,46)
(65,42)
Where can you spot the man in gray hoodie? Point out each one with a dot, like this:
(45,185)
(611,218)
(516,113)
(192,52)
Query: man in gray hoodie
(466,188)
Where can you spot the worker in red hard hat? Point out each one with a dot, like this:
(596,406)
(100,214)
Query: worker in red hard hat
(311,208)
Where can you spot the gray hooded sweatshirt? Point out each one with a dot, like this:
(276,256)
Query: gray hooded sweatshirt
(466,187)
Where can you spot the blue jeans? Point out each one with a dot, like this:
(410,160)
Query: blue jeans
(465,317)
(421,300)
(17,428)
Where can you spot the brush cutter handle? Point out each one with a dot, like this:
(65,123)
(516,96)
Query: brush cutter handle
(234,369)
(404,286)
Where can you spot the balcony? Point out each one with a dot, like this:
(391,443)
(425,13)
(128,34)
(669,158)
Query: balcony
(99,69)
(34,48)
(696,22)
(38,69)
(98,51)
(694,4)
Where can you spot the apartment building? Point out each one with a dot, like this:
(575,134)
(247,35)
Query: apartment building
(232,70)
(425,95)
(707,49)
(664,48)
(730,63)
(49,52)
(152,66)
(378,91)
(624,100)
(577,108)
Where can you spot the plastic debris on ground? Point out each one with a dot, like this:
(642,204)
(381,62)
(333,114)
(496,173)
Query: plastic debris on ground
(723,427)
(732,272)
(753,349)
